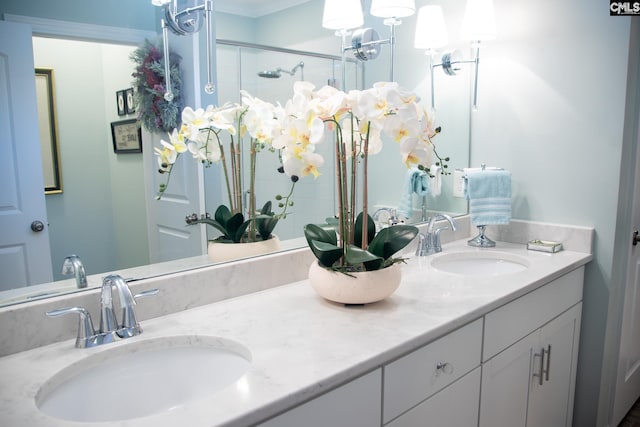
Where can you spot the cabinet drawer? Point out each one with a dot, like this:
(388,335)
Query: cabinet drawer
(418,375)
(355,404)
(455,406)
(517,319)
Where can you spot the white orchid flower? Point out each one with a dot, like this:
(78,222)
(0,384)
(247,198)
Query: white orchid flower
(167,155)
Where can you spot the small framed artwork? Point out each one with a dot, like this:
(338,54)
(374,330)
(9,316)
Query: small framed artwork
(121,102)
(129,103)
(48,126)
(127,136)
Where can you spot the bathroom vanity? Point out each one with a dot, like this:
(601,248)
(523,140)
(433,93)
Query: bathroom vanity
(460,349)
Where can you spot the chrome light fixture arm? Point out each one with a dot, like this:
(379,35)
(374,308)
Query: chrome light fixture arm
(185,22)
(450,67)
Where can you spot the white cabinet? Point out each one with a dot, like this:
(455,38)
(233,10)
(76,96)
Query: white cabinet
(513,367)
(531,382)
(355,404)
(413,378)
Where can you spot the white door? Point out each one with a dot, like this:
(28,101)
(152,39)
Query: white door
(169,236)
(25,257)
(628,378)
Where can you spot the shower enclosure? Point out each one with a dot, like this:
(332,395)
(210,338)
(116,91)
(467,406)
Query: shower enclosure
(268,73)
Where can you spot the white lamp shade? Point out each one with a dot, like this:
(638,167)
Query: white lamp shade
(342,14)
(431,30)
(392,8)
(479,22)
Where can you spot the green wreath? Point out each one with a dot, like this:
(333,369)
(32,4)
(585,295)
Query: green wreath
(155,112)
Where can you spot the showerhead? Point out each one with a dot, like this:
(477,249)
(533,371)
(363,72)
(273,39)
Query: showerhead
(277,73)
(270,74)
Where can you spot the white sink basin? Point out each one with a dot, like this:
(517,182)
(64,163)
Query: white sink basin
(142,378)
(480,263)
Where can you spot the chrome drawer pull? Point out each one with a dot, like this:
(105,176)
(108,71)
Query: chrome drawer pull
(444,368)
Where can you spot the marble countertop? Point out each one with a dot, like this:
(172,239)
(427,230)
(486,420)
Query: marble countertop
(301,345)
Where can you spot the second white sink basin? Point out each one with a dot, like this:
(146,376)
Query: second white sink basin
(143,378)
(480,263)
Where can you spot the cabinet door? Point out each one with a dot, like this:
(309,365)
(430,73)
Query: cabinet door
(551,403)
(355,404)
(505,385)
(455,406)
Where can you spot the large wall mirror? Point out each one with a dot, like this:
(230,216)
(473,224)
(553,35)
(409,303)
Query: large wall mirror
(112,201)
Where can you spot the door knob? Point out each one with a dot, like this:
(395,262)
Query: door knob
(38,226)
(636,238)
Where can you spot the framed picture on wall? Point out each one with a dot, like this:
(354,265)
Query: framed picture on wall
(48,125)
(128,101)
(121,102)
(127,136)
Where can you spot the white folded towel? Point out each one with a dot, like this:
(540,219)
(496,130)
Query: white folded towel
(435,183)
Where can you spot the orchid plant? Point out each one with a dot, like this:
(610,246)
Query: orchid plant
(358,119)
(224,135)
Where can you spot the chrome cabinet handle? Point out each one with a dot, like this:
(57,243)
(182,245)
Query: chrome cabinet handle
(541,374)
(546,372)
(544,366)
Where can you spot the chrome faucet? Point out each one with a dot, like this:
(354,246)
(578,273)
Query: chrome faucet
(110,330)
(73,265)
(393,216)
(429,244)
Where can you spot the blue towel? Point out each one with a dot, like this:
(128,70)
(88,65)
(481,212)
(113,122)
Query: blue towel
(489,195)
(415,181)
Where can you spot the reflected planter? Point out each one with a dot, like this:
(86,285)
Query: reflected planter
(221,252)
(355,288)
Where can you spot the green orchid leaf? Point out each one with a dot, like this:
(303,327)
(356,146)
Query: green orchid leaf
(357,232)
(326,253)
(236,226)
(212,223)
(320,233)
(356,255)
(266,209)
(266,226)
(392,239)
(266,221)
(222,215)
(239,233)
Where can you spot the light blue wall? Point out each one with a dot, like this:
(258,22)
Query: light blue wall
(101,213)
(139,14)
(552,96)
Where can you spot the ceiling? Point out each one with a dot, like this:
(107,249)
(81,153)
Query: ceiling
(254,8)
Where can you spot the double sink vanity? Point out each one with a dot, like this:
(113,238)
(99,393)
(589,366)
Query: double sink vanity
(464,326)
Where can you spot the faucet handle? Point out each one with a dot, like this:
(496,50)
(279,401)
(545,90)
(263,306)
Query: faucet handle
(85,326)
(145,294)
(130,325)
(421,248)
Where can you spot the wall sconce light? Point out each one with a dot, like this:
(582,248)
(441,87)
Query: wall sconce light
(478,24)
(183,22)
(345,15)
(342,16)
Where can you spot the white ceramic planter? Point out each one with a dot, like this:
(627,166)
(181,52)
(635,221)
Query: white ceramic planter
(220,252)
(356,288)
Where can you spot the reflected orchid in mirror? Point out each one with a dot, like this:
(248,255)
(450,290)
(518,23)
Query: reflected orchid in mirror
(228,136)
